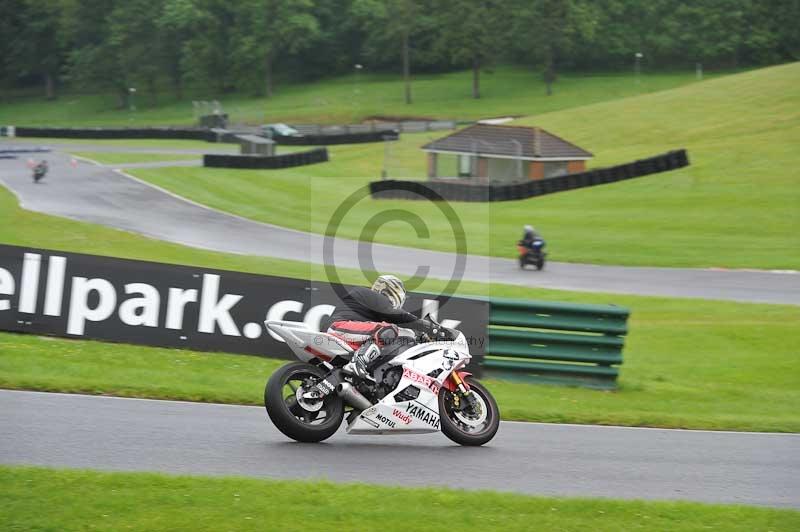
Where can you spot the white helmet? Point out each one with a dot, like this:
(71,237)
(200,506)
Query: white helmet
(392,287)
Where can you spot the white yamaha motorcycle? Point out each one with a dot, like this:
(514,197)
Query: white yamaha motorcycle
(419,390)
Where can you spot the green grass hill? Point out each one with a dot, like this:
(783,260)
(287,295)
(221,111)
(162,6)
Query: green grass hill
(736,206)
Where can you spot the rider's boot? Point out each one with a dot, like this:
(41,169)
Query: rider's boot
(366,354)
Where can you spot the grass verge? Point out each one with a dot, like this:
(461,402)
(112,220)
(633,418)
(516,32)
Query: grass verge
(506,91)
(128,157)
(735,207)
(56,499)
(700,365)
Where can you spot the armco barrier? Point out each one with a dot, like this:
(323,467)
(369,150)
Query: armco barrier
(556,343)
(452,189)
(344,138)
(117,133)
(319,155)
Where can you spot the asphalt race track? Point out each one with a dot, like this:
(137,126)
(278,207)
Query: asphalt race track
(109,433)
(100,195)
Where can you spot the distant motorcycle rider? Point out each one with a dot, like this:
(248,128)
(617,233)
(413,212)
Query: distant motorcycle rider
(39,171)
(529,236)
(367,320)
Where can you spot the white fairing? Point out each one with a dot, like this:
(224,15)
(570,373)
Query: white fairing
(307,343)
(389,415)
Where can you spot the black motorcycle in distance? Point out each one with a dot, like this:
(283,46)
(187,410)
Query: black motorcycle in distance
(39,171)
(533,254)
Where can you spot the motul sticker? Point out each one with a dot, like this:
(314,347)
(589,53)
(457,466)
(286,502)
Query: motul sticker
(385,420)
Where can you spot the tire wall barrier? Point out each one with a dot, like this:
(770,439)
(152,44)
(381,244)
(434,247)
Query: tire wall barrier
(319,155)
(343,138)
(118,133)
(455,191)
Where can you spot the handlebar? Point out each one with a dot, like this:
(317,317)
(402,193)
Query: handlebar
(438,332)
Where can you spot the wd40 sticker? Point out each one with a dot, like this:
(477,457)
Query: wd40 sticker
(425,380)
(368,421)
(424,414)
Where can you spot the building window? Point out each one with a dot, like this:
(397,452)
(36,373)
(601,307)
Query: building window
(555,169)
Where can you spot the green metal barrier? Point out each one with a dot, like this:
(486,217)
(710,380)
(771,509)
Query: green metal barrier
(556,343)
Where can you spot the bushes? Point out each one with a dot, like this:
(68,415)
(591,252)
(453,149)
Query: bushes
(319,155)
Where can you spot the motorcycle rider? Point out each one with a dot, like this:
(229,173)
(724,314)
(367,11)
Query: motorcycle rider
(367,320)
(39,171)
(529,236)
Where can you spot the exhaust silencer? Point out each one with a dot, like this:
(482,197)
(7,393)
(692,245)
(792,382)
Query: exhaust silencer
(352,396)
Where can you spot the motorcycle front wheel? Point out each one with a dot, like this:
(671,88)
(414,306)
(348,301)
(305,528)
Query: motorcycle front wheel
(465,424)
(300,418)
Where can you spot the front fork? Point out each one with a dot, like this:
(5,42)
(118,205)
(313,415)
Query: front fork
(457,384)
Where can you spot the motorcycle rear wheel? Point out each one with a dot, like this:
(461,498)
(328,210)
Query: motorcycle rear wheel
(466,427)
(310,422)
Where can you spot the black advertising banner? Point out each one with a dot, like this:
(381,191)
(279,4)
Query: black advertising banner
(87,296)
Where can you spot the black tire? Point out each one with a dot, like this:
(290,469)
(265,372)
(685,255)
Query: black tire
(454,429)
(522,263)
(540,264)
(287,416)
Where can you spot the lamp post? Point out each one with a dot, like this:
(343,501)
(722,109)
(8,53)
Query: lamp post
(387,153)
(637,65)
(356,91)
(357,67)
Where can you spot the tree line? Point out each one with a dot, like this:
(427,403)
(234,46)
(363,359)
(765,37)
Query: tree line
(245,45)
